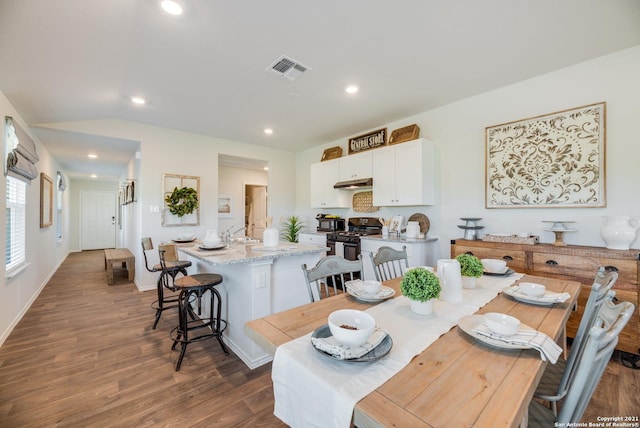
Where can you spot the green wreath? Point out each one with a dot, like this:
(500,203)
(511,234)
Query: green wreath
(182,201)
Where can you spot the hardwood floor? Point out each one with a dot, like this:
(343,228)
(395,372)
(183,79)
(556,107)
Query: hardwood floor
(85,355)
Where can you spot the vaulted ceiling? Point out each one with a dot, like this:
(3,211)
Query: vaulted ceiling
(205,71)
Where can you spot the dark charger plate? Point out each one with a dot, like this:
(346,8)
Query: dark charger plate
(375,354)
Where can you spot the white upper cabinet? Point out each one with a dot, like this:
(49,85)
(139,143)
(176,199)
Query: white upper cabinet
(354,167)
(403,174)
(323,176)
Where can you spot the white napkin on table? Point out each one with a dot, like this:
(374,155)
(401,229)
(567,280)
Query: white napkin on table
(356,287)
(548,349)
(331,346)
(548,297)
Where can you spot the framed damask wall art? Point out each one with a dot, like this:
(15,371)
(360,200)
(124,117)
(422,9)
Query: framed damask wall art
(555,160)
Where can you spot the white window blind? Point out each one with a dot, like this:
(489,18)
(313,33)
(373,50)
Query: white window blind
(15,224)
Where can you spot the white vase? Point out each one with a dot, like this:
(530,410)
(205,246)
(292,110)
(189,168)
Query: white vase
(619,231)
(422,308)
(469,281)
(270,237)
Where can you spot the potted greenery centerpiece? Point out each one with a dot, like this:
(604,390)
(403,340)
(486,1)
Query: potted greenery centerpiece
(471,269)
(421,286)
(182,201)
(291,228)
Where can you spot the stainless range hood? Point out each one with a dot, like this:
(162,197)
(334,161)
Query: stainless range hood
(354,184)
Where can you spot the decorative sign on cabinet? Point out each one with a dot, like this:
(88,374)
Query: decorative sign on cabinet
(578,263)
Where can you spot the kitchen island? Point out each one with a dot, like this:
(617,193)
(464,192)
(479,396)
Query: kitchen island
(258,281)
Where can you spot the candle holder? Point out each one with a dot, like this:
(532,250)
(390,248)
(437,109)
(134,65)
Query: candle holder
(559,229)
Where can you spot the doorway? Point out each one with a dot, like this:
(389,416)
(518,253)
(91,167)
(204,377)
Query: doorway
(255,210)
(97,219)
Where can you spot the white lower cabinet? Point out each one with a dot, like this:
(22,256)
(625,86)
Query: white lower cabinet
(312,238)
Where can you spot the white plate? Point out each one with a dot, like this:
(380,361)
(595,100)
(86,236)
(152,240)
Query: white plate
(178,240)
(508,271)
(468,323)
(213,247)
(383,294)
(521,297)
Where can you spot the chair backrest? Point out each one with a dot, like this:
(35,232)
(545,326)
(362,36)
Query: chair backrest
(147,245)
(330,271)
(600,289)
(600,344)
(170,252)
(389,263)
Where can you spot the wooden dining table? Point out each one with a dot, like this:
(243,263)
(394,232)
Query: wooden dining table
(456,381)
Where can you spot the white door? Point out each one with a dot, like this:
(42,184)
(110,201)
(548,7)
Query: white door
(98,219)
(259,211)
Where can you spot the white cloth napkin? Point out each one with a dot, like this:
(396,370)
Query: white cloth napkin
(356,287)
(331,346)
(548,297)
(548,349)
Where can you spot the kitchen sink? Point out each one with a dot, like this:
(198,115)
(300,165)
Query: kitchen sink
(246,240)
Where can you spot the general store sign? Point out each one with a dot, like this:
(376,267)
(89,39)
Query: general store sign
(369,141)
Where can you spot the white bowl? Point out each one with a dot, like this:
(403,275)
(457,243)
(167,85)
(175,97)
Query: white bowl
(351,327)
(502,324)
(210,243)
(185,236)
(531,289)
(371,287)
(494,265)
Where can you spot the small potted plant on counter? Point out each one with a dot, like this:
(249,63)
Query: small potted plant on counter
(470,268)
(421,286)
(291,228)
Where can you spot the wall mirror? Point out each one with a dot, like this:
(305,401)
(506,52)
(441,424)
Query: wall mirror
(46,200)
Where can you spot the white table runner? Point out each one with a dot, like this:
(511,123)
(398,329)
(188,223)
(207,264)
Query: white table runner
(313,390)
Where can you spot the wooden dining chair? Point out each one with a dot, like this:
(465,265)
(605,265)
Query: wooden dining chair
(389,263)
(600,343)
(557,377)
(330,272)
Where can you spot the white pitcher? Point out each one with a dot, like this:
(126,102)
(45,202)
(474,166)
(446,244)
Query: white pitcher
(450,280)
(619,231)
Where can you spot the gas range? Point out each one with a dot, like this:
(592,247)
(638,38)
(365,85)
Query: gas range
(357,227)
(351,235)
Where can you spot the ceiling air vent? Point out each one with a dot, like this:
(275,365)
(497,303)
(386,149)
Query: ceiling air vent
(288,68)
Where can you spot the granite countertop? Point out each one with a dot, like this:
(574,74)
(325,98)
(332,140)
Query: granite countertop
(236,253)
(403,239)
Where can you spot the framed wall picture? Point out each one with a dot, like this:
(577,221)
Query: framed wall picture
(225,206)
(551,161)
(46,200)
(188,184)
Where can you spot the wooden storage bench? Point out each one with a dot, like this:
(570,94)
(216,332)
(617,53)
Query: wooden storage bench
(119,255)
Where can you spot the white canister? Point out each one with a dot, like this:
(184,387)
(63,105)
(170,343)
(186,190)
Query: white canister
(413,229)
(270,237)
(450,280)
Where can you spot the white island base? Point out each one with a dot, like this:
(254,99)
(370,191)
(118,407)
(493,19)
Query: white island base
(257,281)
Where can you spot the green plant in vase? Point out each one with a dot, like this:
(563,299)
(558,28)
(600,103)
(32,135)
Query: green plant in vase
(291,228)
(421,286)
(471,269)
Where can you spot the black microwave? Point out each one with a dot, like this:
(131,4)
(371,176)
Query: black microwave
(330,224)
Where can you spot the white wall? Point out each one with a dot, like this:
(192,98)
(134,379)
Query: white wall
(231,181)
(174,152)
(43,252)
(458,132)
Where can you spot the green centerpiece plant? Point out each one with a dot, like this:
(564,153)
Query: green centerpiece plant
(420,286)
(291,228)
(471,268)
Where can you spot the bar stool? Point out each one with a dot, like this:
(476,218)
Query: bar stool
(172,267)
(194,290)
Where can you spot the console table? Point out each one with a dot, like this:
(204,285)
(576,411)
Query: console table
(571,262)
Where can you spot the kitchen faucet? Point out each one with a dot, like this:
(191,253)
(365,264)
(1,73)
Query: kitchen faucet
(227,234)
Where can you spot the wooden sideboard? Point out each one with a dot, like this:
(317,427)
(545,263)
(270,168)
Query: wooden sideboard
(574,262)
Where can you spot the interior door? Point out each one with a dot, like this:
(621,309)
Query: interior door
(98,219)
(259,211)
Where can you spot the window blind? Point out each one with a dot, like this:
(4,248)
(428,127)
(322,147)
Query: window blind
(15,254)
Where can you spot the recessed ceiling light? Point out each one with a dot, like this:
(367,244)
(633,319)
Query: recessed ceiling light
(351,89)
(94,176)
(138,100)
(266,168)
(268,131)
(171,7)
(92,156)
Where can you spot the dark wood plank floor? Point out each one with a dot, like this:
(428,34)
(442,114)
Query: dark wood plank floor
(84,355)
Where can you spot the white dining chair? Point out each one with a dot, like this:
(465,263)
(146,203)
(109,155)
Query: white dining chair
(600,343)
(557,377)
(389,263)
(330,272)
